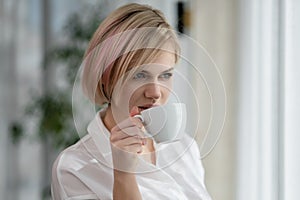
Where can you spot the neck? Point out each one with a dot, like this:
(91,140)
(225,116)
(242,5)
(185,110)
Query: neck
(108,119)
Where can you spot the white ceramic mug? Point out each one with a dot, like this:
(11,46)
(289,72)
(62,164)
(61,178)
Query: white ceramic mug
(165,123)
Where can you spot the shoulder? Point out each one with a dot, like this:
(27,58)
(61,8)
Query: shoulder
(73,157)
(65,171)
(190,145)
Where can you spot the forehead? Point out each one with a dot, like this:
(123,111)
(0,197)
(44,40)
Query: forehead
(165,58)
(162,62)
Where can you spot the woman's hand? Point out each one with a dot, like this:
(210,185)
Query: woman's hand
(127,141)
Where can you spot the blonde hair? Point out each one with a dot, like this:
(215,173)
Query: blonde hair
(132,35)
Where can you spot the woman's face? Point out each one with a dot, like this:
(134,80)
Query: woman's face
(149,85)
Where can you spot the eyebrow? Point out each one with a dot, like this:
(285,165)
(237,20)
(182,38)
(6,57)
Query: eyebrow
(168,70)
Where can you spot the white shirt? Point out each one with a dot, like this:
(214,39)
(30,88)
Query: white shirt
(85,170)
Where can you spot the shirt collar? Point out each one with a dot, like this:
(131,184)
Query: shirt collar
(100,136)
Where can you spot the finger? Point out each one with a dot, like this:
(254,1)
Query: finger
(140,117)
(131,144)
(125,133)
(134,111)
(134,148)
(136,121)
(129,122)
(140,136)
(123,124)
(134,131)
(128,141)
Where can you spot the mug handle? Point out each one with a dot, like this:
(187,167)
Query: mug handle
(140,117)
(142,120)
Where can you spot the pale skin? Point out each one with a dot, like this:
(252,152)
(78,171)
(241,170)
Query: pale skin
(127,139)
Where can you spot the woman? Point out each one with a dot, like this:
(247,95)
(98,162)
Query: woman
(128,67)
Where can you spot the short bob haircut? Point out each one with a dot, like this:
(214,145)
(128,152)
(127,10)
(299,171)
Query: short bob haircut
(130,36)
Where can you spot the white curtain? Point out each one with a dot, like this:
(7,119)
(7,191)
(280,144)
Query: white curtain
(268,149)
(291,100)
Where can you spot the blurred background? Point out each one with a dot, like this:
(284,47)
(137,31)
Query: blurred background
(255,45)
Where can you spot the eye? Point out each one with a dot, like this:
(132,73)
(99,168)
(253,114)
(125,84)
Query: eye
(166,76)
(139,75)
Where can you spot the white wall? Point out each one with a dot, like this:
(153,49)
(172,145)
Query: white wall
(214,25)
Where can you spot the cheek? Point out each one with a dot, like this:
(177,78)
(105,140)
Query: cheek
(166,94)
(167,88)
(135,96)
(121,96)
(166,91)
(130,95)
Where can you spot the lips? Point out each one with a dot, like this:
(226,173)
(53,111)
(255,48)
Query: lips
(145,107)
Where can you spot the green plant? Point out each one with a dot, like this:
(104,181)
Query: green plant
(53,110)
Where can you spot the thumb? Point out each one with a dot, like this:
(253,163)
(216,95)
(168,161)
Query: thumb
(134,111)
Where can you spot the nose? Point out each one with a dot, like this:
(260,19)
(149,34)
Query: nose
(153,91)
